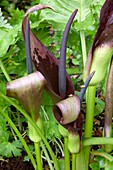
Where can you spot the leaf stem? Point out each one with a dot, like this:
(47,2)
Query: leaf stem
(20,137)
(66,154)
(97,141)
(89,118)
(38,155)
(73,161)
(90,111)
(4,71)
(83,45)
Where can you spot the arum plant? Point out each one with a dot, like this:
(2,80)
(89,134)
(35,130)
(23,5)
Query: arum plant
(98,60)
(51,75)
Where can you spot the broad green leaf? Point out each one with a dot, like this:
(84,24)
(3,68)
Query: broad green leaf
(64,9)
(58,19)
(7,38)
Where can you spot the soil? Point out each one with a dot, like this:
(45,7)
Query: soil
(15,164)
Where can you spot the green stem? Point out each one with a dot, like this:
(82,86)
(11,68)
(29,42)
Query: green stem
(89,119)
(47,156)
(90,111)
(97,141)
(66,154)
(35,126)
(4,71)
(83,45)
(20,137)
(8,79)
(38,155)
(73,161)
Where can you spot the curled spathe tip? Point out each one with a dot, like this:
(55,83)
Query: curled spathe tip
(36,8)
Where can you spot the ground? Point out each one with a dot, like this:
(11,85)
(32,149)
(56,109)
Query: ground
(15,164)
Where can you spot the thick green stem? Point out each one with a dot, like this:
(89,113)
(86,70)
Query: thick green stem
(35,126)
(89,119)
(73,161)
(38,155)
(4,71)
(20,137)
(66,154)
(90,111)
(97,141)
(83,45)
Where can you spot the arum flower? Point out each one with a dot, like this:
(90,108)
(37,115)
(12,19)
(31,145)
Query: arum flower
(102,48)
(28,91)
(55,78)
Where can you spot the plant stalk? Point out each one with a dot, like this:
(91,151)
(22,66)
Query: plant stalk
(20,137)
(89,120)
(73,161)
(90,111)
(38,155)
(4,71)
(97,141)
(83,45)
(66,154)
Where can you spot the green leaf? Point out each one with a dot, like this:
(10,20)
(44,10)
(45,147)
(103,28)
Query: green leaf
(109,165)
(101,161)
(4,136)
(94,166)
(50,124)
(64,9)
(104,154)
(99,107)
(8,149)
(7,38)
(17,16)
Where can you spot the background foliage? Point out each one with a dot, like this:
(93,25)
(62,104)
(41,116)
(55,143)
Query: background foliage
(48,26)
